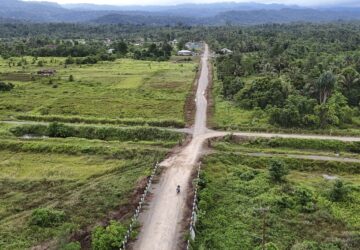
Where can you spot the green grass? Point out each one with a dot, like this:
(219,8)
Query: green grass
(235,188)
(289,146)
(90,171)
(110,90)
(86,179)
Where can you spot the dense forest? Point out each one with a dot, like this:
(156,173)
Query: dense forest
(301,75)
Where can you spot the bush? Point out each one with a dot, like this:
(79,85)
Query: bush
(93,120)
(305,200)
(338,191)
(97,132)
(277,170)
(46,217)
(110,237)
(6,86)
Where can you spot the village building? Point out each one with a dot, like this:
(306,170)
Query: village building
(185,53)
(226,51)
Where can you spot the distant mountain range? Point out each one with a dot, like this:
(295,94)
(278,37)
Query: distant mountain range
(187,14)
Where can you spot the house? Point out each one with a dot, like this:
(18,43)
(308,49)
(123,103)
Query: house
(46,72)
(174,42)
(110,51)
(226,51)
(185,53)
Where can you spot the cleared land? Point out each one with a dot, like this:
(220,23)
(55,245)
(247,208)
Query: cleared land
(58,182)
(122,89)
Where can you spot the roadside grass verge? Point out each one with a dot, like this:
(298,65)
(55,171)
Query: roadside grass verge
(94,120)
(97,132)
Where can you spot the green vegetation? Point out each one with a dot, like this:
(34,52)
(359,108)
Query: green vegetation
(69,178)
(53,188)
(110,237)
(94,120)
(289,78)
(261,203)
(97,132)
(289,144)
(124,89)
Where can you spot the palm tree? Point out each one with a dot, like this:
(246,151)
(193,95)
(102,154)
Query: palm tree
(324,85)
(350,84)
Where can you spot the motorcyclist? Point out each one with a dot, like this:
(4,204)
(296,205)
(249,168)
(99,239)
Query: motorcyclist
(178,189)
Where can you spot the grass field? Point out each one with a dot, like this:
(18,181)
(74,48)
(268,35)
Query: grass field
(122,89)
(240,207)
(58,186)
(88,180)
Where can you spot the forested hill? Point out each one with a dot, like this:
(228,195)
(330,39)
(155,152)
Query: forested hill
(187,14)
(285,16)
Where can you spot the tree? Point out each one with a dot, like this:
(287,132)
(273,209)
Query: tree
(261,93)
(277,170)
(350,85)
(297,112)
(231,86)
(121,48)
(325,85)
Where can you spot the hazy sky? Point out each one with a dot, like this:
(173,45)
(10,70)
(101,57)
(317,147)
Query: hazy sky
(171,2)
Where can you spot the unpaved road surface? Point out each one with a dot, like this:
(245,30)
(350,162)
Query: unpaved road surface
(163,217)
(306,157)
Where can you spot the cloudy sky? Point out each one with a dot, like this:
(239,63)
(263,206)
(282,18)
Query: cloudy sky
(172,2)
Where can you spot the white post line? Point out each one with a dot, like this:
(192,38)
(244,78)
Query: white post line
(138,208)
(194,208)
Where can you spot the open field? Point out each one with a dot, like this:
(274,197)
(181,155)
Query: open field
(59,181)
(122,89)
(91,181)
(241,206)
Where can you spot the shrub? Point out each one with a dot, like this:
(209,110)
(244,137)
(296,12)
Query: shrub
(46,217)
(110,237)
(6,86)
(305,200)
(338,191)
(277,170)
(93,120)
(97,132)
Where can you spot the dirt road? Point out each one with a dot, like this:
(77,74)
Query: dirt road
(162,220)
(305,157)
